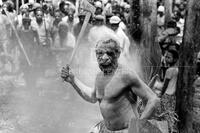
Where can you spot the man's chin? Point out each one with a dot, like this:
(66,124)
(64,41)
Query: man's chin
(106,69)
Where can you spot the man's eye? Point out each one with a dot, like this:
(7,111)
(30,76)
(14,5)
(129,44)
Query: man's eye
(99,53)
(110,53)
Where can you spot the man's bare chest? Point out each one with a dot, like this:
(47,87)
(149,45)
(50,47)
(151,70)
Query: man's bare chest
(110,87)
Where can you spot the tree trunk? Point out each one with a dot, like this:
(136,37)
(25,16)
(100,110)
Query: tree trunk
(168,10)
(151,50)
(135,25)
(186,77)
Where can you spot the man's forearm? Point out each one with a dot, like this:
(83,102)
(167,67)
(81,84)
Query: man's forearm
(84,91)
(149,108)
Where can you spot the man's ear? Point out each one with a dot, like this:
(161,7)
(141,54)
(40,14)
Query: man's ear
(118,54)
(175,60)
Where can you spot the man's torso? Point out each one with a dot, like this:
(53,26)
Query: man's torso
(3,23)
(116,107)
(43,30)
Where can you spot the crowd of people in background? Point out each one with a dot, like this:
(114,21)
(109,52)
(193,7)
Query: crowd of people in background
(170,36)
(39,29)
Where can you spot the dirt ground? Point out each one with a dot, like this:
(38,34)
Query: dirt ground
(51,107)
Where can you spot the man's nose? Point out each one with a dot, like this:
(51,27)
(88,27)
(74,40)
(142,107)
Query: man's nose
(105,57)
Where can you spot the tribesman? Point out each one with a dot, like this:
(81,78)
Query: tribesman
(116,90)
(30,40)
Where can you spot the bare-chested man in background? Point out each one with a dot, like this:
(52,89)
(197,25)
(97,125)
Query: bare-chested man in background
(116,90)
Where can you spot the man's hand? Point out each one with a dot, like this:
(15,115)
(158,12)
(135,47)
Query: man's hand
(67,75)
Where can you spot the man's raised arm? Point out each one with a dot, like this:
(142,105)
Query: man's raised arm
(84,91)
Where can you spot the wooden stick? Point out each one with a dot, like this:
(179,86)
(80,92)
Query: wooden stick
(87,18)
(17,7)
(18,38)
(22,2)
(168,10)
(134,126)
(90,9)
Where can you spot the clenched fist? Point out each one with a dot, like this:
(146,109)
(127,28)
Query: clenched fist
(67,75)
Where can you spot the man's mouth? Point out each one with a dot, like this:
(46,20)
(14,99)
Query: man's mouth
(105,66)
(105,63)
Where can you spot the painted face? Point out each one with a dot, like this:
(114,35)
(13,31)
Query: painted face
(114,26)
(98,11)
(58,16)
(181,7)
(26,24)
(39,16)
(24,10)
(107,57)
(71,15)
(169,58)
(66,9)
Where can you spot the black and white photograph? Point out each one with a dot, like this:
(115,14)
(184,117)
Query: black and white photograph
(99,66)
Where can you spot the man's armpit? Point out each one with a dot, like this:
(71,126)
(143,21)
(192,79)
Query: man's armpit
(131,80)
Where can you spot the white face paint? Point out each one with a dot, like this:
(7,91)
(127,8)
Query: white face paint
(107,54)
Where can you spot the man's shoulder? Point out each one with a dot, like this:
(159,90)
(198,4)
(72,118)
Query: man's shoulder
(65,19)
(173,70)
(34,23)
(126,73)
(120,31)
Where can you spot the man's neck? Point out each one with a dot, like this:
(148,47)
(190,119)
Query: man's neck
(116,30)
(56,23)
(26,29)
(108,73)
(172,64)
